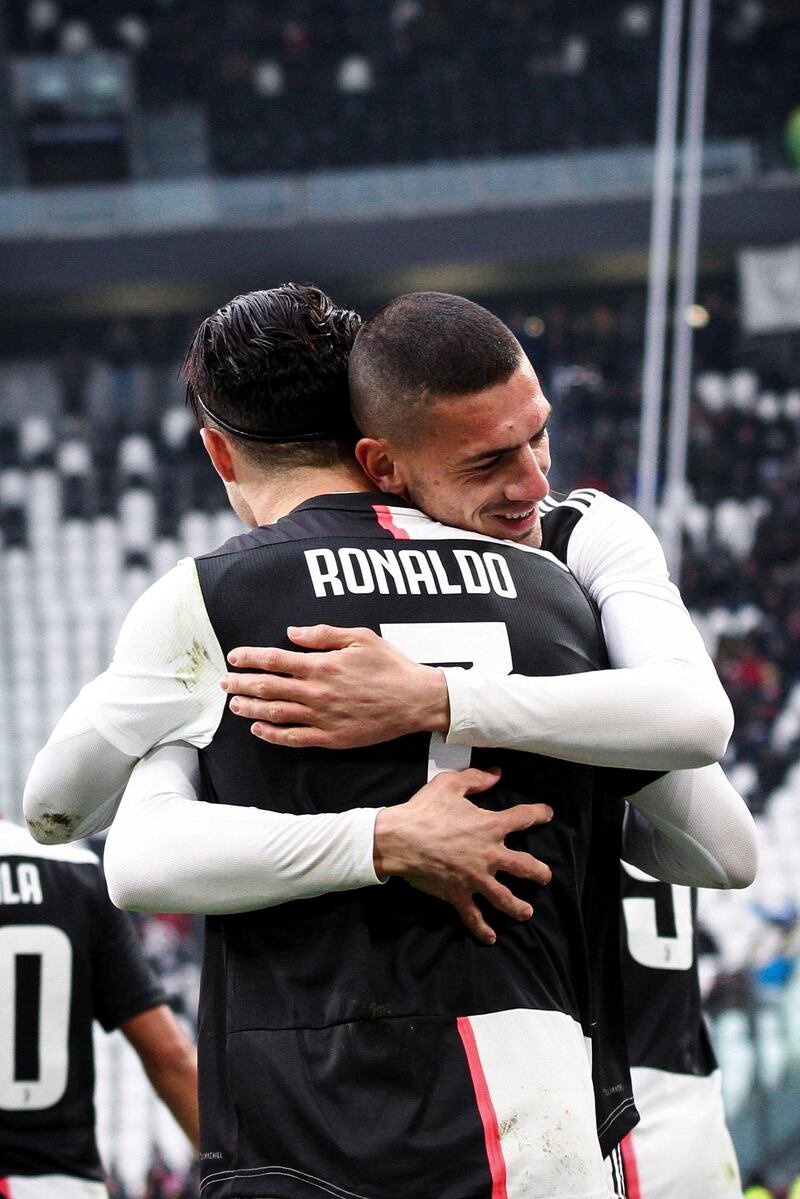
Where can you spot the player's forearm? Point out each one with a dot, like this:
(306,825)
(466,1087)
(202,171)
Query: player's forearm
(662,708)
(660,717)
(171,1082)
(692,827)
(170,1062)
(75,782)
(167,851)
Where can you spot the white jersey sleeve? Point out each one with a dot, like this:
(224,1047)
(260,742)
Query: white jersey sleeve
(162,685)
(692,827)
(661,708)
(168,852)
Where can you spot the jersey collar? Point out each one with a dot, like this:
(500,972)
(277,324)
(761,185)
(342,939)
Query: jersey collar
(353,501)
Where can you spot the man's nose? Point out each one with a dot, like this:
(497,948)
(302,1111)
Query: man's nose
(528,480)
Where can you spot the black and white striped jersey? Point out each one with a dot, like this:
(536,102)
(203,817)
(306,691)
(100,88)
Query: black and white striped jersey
(362,1042)
(67,957)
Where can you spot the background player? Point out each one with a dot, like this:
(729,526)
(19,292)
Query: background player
(682,1145)
(67,958)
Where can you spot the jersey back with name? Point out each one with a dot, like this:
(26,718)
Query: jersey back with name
(345,1008)
(67,957)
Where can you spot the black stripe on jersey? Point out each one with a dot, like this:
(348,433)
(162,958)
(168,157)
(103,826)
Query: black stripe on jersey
(26,1026)
(557,528)
(365,508)
(580,498)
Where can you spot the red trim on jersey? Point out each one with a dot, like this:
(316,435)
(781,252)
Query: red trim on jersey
(5,1188)
(491,1131)
(632,1185)
(386,522)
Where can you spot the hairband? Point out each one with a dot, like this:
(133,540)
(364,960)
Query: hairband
(255,435)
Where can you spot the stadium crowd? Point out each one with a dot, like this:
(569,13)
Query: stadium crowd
(313,84)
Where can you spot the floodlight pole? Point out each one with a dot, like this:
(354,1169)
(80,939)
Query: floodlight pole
(658,272)
(688,238)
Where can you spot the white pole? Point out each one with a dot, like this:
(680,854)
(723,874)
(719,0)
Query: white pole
(688,238)
(658,273)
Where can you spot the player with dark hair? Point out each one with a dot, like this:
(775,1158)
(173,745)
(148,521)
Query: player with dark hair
(614,554)
(326,554)
(305,339)
(67,958)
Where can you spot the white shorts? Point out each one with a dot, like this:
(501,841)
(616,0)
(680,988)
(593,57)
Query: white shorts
(682,1146)
(533,1070)
(51,1186)
(530,1072)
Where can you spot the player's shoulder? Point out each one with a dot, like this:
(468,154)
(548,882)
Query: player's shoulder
(241,543)
(16,841)
(584,502)
(562,514)
(168,591)
(588,516)
(163,612)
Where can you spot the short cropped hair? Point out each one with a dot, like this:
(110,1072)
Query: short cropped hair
(274,363)
(422,347)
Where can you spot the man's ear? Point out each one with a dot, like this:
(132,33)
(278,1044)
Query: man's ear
(377,460)
(218,450)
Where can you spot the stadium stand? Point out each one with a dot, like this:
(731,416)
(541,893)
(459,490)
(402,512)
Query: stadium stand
(316,83)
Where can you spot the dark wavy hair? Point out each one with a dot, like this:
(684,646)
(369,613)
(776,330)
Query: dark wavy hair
(274,363)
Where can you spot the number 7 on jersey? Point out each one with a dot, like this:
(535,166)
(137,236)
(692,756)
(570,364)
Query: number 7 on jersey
(484,644)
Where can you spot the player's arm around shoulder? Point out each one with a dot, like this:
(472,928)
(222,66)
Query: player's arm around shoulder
(161,685)
(618,558)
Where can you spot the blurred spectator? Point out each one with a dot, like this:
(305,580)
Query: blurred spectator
(73,372)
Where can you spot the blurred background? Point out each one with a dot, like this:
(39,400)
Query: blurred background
(159,156)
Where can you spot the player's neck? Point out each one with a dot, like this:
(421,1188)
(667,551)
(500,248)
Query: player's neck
(272,500)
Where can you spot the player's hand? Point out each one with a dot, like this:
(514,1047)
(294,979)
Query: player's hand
(444,844)
(359,690)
